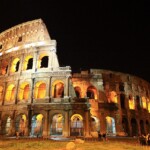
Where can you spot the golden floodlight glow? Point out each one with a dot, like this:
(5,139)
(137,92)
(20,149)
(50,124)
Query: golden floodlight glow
(13,65)
(26,62)
(109,120)
(1,92)
(39,117)
(131,104)
(23,91)
(113,97)
(10,92)
(40,90)
(144,102)
(76,116)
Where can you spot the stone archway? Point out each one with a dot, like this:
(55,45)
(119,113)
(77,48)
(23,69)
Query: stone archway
(125,126)
(20,124)
(111,127)
(76,125)
(134,127)
(37,125)
(6,126)
(142,127)
(57,124)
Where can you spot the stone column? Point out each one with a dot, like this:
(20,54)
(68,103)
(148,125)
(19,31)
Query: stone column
(87,124)
(45,126)
(66,124)
(66,93)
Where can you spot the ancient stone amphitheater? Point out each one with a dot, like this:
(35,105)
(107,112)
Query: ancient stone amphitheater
(40,98)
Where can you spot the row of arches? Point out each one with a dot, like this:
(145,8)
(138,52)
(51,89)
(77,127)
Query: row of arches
(39,92)
(76,125)
(143,126)
(42,62)
(136,102)
(56,126)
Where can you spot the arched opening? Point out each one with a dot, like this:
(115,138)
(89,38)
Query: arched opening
(138,105)
(148,106)
(1,93)
(40,90)
(125,126)
(95,126)
(24,91)
(112,98)
(37,125)
(122,101)
(121,87)
(6,126)
(20,124)
(28,63)
(142,127)
(147,127)
(111,127)
(57,124)
(78,91)
(91,92)
(134,127)
(58,89)
(144,105)
(15,65)
(76,125)
(131,102)
(43,61)
(10,93)
(4,67)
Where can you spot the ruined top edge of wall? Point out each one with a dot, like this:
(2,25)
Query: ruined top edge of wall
(123,76)
(31,31)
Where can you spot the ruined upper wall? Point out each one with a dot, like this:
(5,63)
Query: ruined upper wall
(25,33)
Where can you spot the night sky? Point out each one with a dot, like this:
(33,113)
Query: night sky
(113,35)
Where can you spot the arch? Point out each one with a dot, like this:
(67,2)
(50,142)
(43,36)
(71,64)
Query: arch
(91,92)
(148,106)
(125,126)
(138,103)
(28,62)
(95,124)
(6,125)
(76,125)
(111,127)
(1,93)
(122,101)
(144,105)
(142,127)
(134,127)
(24,91)
(40,90)
(20,124)
(147,127)
(78,91)
(4,67)
(57,124)
(131,102)
(37,125)
(15,65)
(10,93)
(58,89)
(112,97)
(43,60)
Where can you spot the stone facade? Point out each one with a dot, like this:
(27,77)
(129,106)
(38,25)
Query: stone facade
(40,98)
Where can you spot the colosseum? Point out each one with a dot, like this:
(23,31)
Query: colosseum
(40,98)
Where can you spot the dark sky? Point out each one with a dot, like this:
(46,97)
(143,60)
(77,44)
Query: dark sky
(112,35)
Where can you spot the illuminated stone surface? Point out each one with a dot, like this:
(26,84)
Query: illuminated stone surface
(40,98)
